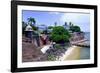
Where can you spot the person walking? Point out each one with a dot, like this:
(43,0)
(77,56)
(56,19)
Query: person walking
(44,39)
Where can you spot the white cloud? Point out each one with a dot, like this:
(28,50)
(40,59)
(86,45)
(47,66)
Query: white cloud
(80,19)
(73,17)
(54,13)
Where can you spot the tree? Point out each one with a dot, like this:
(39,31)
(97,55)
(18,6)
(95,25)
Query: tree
(75,29)
(45,31)
(34,28)
(50,27)
(65,23)
(59,34)
(71,24)
(24,24)
(31,20)
(55,23)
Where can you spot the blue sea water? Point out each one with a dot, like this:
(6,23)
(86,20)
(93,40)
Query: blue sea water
(85,52)
(87,35)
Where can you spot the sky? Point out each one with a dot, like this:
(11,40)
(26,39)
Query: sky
(49,18)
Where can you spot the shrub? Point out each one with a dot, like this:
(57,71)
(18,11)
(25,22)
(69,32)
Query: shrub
(51,58)
(58,46)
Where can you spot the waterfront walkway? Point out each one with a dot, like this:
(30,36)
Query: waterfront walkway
(81,43)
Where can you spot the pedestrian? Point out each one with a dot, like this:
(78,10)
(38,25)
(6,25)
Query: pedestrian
(44,39)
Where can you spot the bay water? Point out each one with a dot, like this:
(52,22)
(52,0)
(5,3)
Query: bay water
(84,51)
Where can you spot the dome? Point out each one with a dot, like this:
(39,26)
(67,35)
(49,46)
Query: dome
(28,28)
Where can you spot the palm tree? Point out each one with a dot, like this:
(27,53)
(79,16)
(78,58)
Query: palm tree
(55,23)
(31,20)
(71,24)
(65,23)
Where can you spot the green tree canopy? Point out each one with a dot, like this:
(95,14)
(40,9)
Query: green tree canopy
(31,20)
(59,34)
(75,29)
(34,28)
(50,27)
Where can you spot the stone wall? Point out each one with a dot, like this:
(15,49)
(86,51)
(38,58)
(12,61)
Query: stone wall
(77,36)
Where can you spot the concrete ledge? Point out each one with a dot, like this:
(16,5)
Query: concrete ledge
(45,48)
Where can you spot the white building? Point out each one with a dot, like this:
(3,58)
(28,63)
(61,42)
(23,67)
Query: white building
(28,28)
